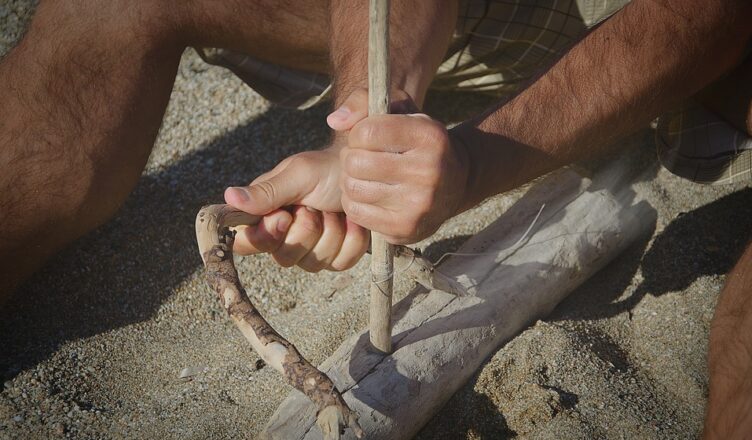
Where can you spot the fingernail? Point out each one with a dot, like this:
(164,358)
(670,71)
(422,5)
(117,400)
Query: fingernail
(283,224)
(241,193)
(340,114)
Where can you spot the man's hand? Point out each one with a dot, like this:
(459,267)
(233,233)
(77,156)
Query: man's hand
(303,221)
(402,176)
(300,200)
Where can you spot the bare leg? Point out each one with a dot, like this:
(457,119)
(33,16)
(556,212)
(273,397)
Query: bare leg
(83,98)
(729,414)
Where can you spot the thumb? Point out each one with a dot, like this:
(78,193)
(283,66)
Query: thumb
(352,111)
(355,108)
(261,198)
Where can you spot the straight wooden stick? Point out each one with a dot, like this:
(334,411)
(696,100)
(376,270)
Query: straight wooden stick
(382,253)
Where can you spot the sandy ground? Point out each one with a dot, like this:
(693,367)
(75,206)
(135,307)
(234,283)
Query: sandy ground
(93,345)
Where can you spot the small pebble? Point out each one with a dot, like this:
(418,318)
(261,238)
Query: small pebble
(187,373)
(58,429)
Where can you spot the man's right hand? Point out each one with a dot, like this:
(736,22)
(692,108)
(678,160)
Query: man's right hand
(304,223)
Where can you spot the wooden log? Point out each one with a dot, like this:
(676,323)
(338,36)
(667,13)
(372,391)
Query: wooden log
(441,339)
(382,253)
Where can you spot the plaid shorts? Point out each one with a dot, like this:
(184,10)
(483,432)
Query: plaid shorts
(500,44)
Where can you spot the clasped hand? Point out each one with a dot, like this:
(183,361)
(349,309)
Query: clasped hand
(397,174)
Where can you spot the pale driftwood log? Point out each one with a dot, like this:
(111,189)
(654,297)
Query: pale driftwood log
(215,245)
(442,339)
(382,264)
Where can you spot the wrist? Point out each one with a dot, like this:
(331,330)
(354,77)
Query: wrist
(462,141)
(498,163)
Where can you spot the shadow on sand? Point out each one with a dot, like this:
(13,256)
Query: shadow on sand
(122,272)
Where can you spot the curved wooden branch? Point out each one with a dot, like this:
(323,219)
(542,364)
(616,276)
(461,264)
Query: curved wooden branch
(215,245)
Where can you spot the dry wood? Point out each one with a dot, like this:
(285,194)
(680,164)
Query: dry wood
(215,245)
(442,339)
(382,263)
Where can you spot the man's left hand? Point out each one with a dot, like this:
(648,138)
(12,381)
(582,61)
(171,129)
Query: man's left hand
(402,176)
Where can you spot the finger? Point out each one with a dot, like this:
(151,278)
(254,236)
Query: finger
(304,233)
(265,196)
(267,236)
(354,109)
(373,165)
(328,246)
(396,133)
(353,247)
(369,216)
(367,191)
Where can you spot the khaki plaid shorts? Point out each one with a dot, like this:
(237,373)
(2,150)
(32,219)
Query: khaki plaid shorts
(500,44)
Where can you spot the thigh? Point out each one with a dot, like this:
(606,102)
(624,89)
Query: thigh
(288,33)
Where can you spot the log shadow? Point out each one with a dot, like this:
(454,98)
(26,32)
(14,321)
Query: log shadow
(468,413)
(705,241)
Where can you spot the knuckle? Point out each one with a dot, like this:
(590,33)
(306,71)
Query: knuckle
(283,259)
(397,240)
(265,190)
(309,222)
(363,134)
(353,187)
(337,267)
(429,171)
(350,163)
(265,243)
(420,202)
(434,134)
(344,264)
(410,230)
(301,160)
(312,266)
(352,210)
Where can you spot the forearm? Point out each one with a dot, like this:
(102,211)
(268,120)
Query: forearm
(420,33)
(729,412)
(644,60)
